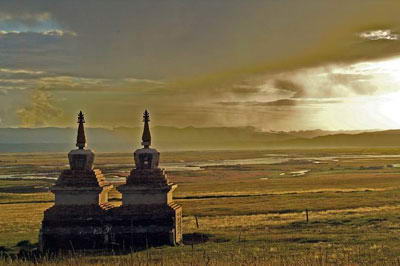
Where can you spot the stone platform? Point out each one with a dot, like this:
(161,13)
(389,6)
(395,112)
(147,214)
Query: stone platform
(76,219)
(143,227)
(124,228)
(72,228)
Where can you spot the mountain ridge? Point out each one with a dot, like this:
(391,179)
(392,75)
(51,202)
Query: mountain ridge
(188,138)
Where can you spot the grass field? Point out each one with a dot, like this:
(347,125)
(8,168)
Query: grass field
(248,214)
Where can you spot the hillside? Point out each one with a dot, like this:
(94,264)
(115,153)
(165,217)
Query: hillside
(386,138)
(125,139)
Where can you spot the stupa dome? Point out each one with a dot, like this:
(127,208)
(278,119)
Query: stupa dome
(81,159)
(146,158)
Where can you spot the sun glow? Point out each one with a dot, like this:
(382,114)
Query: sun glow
(377,108)
(365,112)
(388,108)
(383,109)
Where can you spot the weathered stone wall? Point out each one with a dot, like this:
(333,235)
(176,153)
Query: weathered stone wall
(91,227)
(145,197)
(72,227)
(77,197)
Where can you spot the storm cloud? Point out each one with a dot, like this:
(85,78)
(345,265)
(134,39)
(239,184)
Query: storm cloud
(184,56)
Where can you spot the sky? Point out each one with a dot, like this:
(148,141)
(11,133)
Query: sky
(274,65)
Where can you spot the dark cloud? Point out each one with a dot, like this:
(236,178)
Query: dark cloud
(187,39)
(245,90)
(201,51)
(282,102)
(38,51)
(288,85)
(20,17)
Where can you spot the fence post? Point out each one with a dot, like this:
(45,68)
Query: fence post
(307,215)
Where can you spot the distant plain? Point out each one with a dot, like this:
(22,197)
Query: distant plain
(246,211)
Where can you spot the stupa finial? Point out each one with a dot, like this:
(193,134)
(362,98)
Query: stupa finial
(81,139)
(146,137)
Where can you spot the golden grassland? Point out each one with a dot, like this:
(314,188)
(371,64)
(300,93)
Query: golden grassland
(247,214)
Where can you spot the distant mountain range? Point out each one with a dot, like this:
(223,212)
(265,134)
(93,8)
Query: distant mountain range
(124,139)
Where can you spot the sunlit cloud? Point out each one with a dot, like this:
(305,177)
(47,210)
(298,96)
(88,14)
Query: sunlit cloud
(52,33)
(23,23)
(20,71)
(41,110)
(379,35)
(59,33)
(337,80)
(23,79)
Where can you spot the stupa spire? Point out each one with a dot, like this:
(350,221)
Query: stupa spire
(146,137)
(81,138)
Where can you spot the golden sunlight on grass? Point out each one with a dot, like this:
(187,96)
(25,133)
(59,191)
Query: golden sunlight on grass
(250,214)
